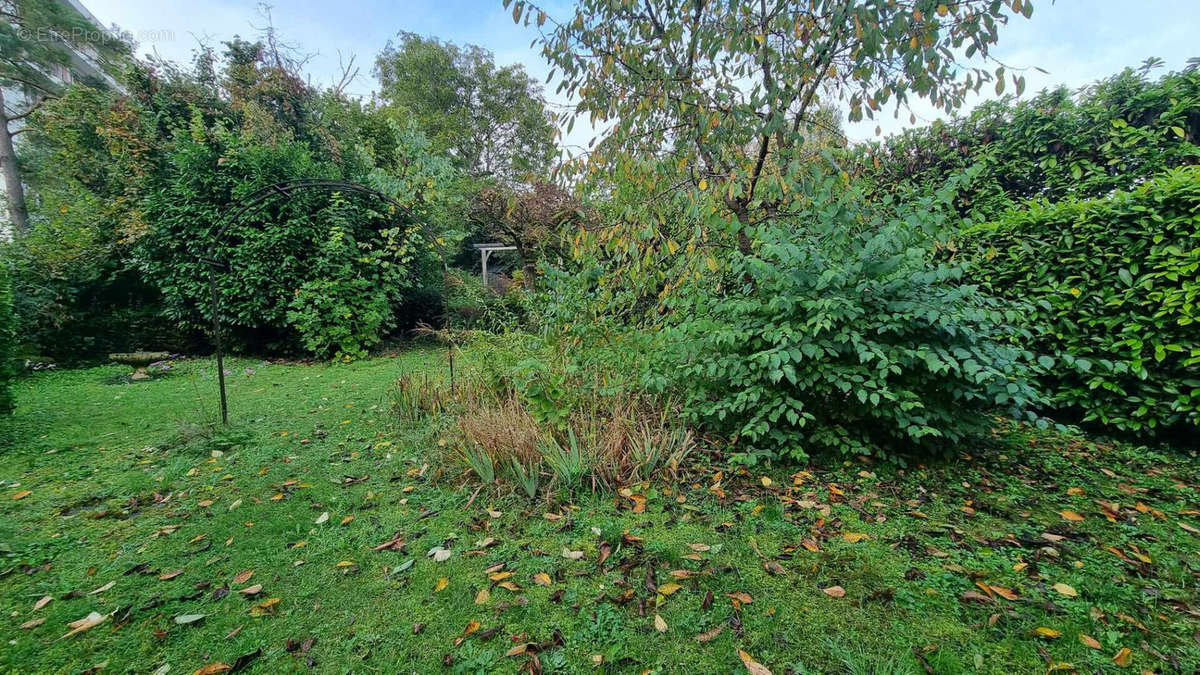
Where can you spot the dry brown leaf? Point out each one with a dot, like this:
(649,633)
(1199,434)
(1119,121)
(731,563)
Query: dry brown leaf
(45,600)
(542,579)
(1071,516)
(520,649)
(213,669)
(482,596)
(22,494)
(834,592)
(711,633)
(660,624)
(252,590)
(243,577)
(1090,641)
(33,623)
(742,597)
(1124,657)
(855,537)
(170,575)
(1006,593)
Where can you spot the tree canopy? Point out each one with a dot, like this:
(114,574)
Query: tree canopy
(490,118)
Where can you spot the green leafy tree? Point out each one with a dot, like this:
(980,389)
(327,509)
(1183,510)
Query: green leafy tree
(722,95)
(36,38)
(491,118)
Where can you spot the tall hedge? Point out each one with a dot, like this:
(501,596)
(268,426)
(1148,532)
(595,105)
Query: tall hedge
(1054,145)
(1112,286)
(8,336)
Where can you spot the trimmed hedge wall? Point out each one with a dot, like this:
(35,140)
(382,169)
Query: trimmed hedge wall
(1112,286)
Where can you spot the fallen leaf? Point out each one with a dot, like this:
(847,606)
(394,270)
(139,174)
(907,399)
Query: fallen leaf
(324,517)
(33,623)
(543,579)
(1071,516)
(1006,593)
(441,585)
(1090,641)
(834,592)
(711,633)
(347,520)
(170,575)
(855,537)
(754,667)
(188,619)
(103,588)
(520,649)
(660,624)
(243,576)
(1066,590)
(42,603)
(88,622)
(1049,633)
(668,588)
(1124,657)
(571,555)
(251,590)
(213,669)
(482,596)
(22,494)
(742,597)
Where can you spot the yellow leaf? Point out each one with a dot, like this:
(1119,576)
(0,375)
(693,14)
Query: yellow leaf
(1124,657)
(482,596)
(1089,641)
(1071,515)
(754,667)
(854,537)
(22,494)
(346,563)
(668,588)
(441,585)
(660,625)
(543,579)
(1066,590)
(1042,631)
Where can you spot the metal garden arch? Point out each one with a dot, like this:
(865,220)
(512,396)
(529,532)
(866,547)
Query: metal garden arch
(218,264)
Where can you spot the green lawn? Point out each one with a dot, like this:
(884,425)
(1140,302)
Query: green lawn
(955,567)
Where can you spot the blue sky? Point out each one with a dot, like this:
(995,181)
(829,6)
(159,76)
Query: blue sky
(1077,41)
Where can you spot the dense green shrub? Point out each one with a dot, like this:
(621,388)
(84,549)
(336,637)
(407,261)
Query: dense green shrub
(1054,145)
(1114,287)
(8,338)
(298,266)
(828,339)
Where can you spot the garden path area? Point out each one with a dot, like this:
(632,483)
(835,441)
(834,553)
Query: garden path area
(317,536)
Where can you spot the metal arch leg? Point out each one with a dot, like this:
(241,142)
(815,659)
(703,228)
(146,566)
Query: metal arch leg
(216,325)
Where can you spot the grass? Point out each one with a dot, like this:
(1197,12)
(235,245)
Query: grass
(124,488)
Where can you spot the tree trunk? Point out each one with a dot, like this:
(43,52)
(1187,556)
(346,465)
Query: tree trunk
(18,214)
